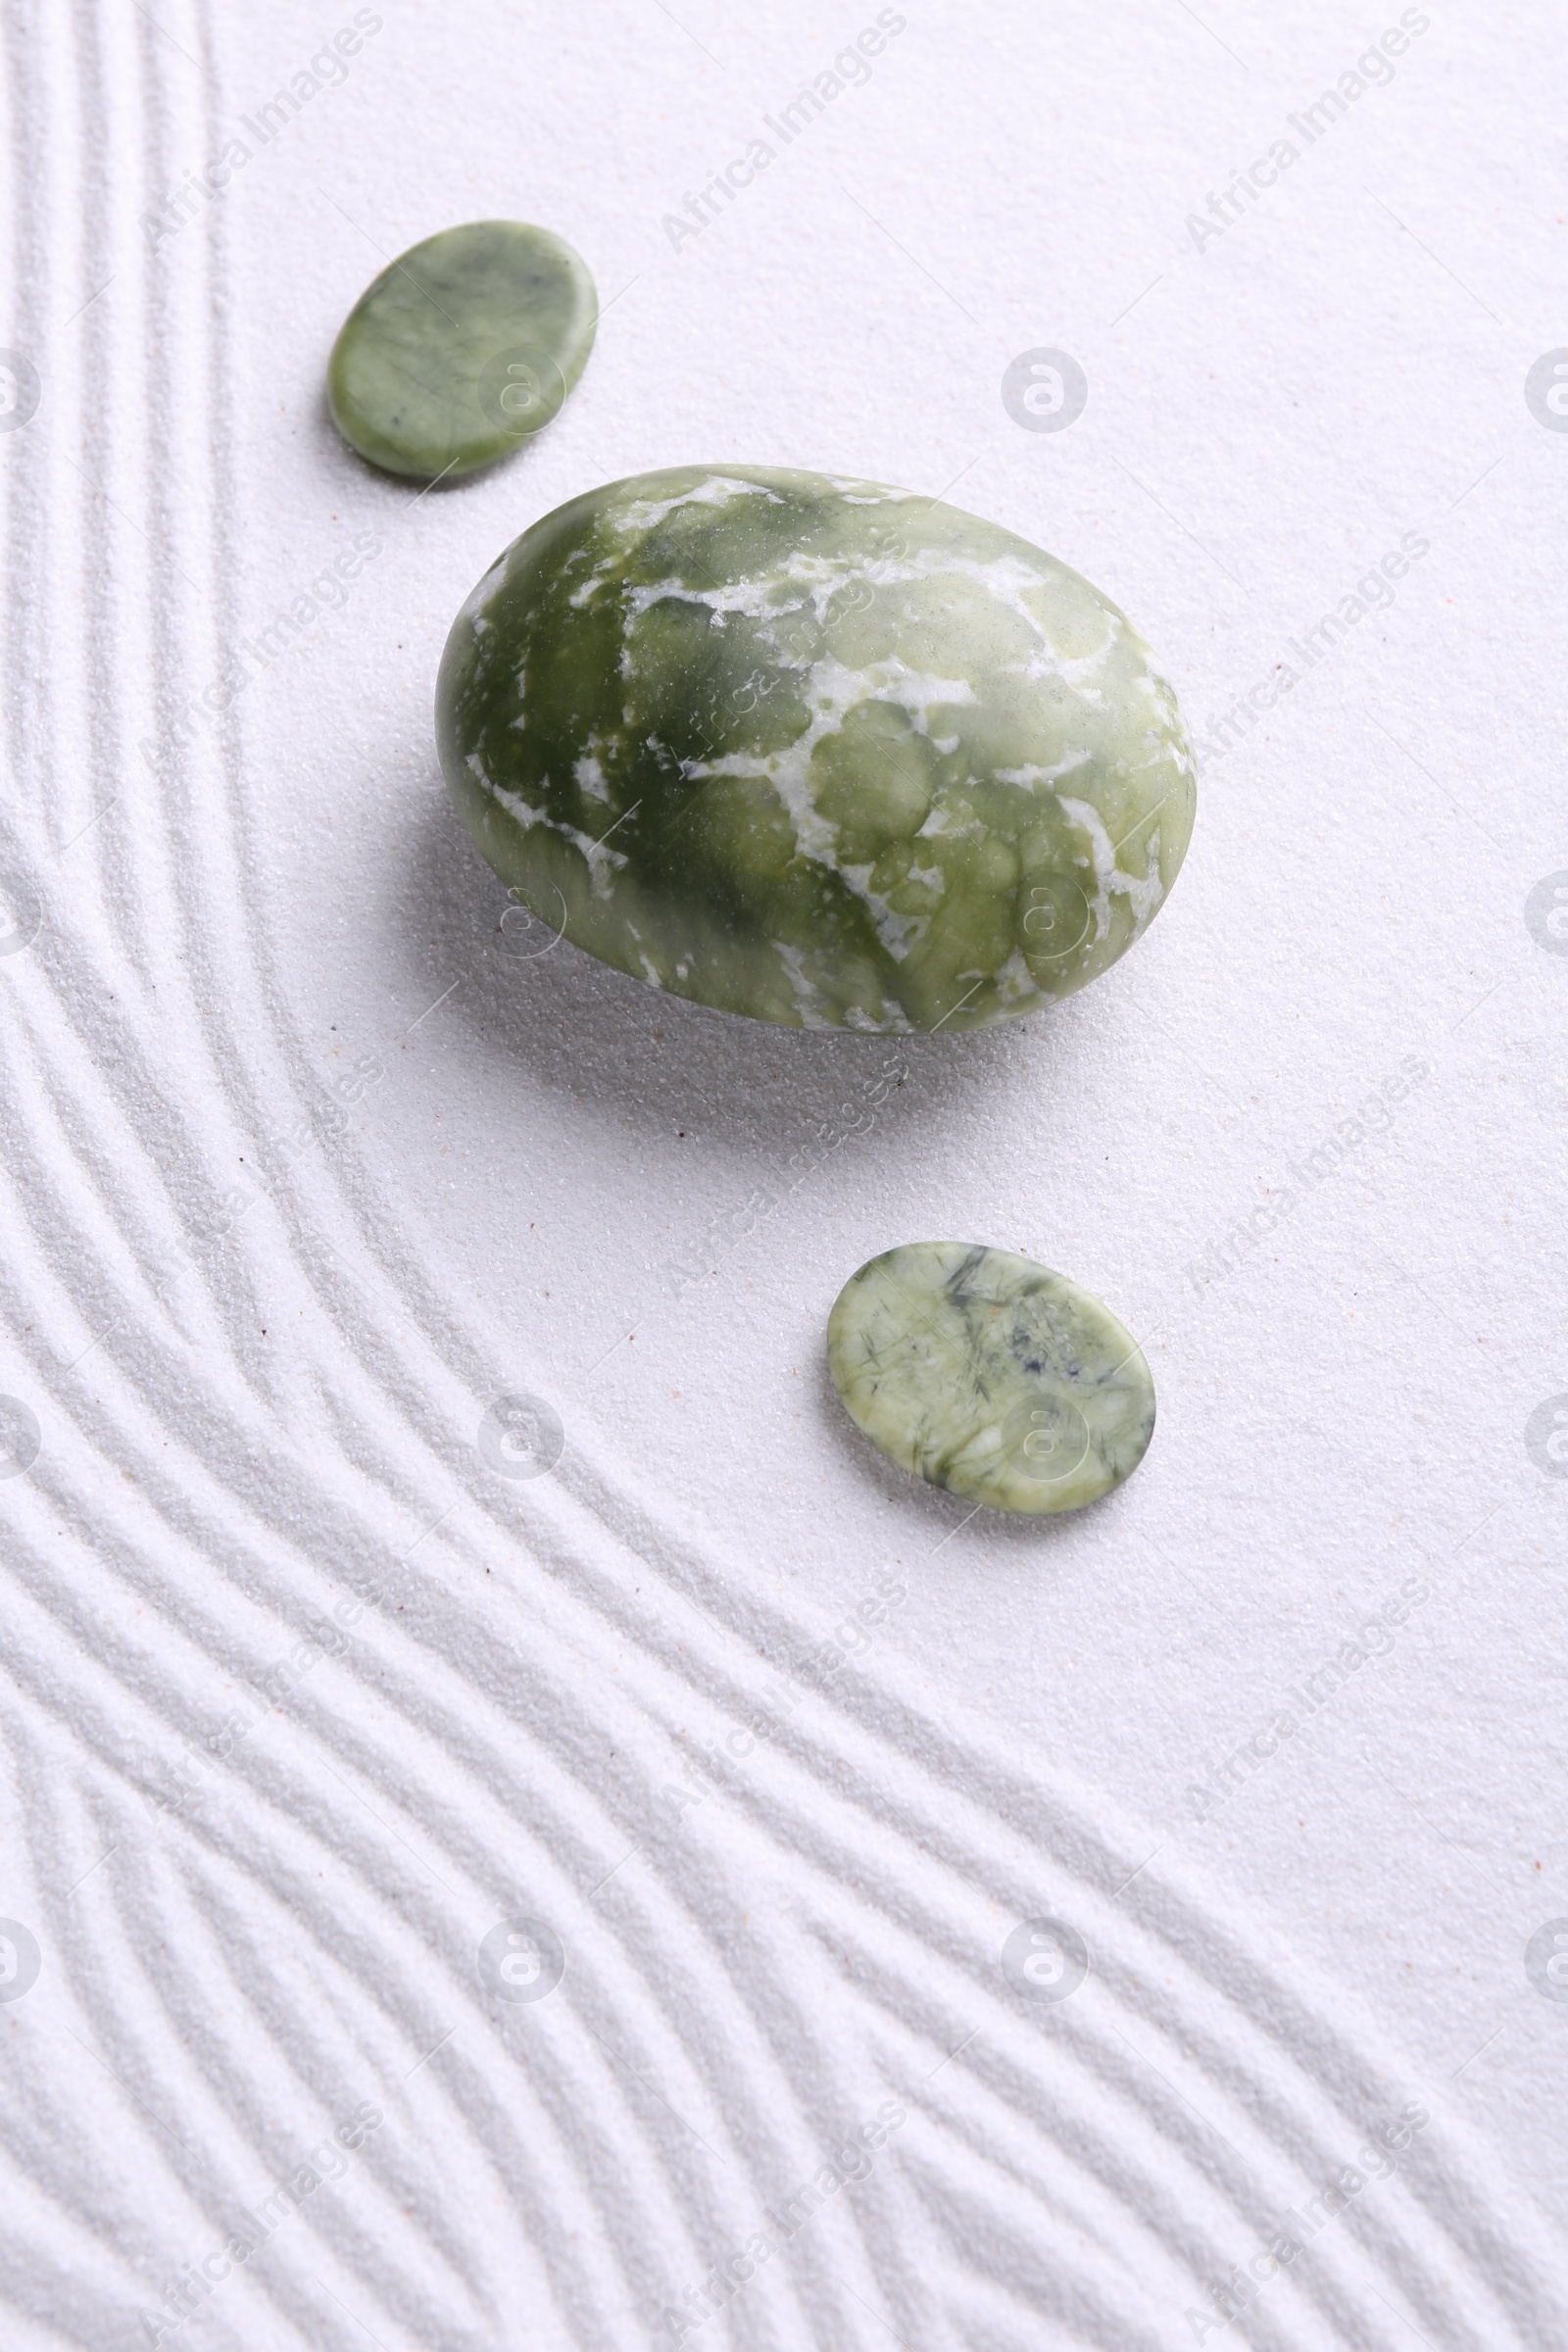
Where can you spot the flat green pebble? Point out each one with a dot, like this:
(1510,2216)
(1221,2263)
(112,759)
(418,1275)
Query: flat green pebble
(462,348)
(991,1376)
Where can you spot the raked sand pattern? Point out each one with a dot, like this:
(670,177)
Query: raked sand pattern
(278,1763)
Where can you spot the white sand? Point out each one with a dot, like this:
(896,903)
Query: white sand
(304,1167)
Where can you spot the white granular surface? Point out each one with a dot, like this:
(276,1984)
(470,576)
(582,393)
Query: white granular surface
(310,1164)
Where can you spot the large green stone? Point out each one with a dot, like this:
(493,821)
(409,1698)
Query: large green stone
(814,750)
(461,348)
(991,1376)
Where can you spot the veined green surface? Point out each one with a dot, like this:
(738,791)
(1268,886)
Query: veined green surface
(991,1376)
(462,348)
(814,750)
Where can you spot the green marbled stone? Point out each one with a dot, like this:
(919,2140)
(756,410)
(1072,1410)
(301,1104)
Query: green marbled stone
(814,750)
(461,348)
(991,1376)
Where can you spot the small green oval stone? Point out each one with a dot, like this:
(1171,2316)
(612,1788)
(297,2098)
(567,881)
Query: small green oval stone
(991,1376)
(462,348)
(814,750)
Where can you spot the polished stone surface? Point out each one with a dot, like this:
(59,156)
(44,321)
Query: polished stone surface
(814,750)
(461,348)
(991,1376)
